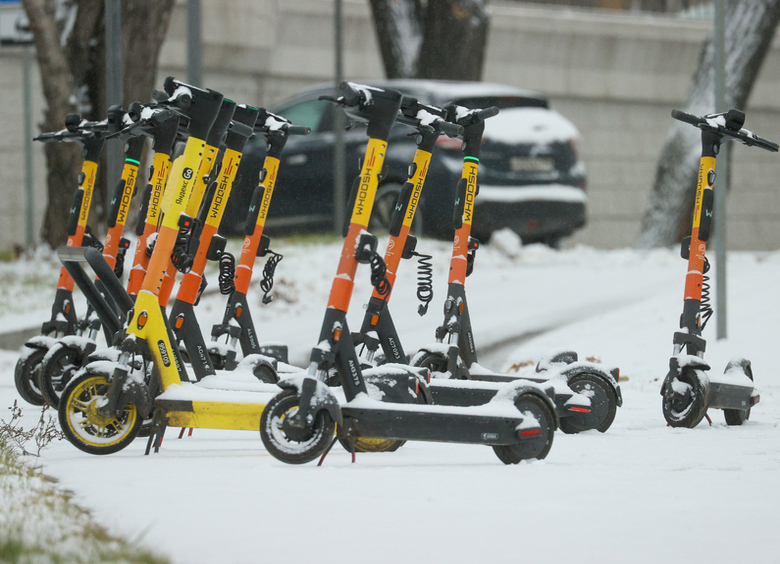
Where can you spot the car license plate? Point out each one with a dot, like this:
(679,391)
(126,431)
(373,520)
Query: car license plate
(531,164)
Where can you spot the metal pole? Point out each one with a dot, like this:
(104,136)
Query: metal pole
(722,178)
(27,61)
(194,43)
(113,85)
(339,172)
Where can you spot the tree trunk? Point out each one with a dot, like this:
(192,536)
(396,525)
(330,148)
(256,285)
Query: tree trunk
(73,79)
(750,27)
(398,25)
(454,40)
(444,39)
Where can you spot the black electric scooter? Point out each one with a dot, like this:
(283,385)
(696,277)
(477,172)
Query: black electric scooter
(237,325)
(688,390)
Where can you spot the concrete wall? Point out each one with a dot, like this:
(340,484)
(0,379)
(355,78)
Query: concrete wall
(616,76)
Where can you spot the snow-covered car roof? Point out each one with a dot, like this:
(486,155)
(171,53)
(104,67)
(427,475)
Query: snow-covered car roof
(448,90)
(439,91)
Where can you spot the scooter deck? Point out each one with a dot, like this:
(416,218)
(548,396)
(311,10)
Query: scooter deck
(480,391)
(497,424)
(196,406)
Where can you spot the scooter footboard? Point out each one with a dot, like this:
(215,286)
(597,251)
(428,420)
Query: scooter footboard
(481,425)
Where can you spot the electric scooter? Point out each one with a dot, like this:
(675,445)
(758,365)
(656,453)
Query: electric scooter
(298,424)
(237,326)
(64,320)
(100,414)
(689,390)
(69,354)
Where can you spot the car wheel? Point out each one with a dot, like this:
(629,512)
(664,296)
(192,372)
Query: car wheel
(384,204)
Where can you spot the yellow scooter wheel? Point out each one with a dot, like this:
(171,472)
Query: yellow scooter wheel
(85,427)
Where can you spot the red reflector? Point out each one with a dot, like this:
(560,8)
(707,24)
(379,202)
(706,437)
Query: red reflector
(336,335)
(530,432)
(580,409)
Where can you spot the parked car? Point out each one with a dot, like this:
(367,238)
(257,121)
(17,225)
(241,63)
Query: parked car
(531,178)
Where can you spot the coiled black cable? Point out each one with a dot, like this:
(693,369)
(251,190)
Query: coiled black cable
(424,281)
(180,258)
(267,283)
(379,274)
(227,273)
(89,240)
(705,307)
(119,266)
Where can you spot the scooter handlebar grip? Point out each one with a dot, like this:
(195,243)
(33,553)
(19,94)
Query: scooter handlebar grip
(450,129)
(298,130)
(687,118)
(351,96)
(765,143)
(241,129)
(487,113)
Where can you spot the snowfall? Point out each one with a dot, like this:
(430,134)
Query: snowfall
(641,492)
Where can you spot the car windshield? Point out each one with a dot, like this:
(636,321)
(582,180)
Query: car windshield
(314,114)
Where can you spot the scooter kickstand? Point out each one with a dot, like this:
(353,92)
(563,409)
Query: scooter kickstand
(327,450)
(159,424)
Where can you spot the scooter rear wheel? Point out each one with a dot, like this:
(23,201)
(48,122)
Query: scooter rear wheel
(290,444)
(57,368)
(25,376)
(436,362)
(367,444)
(603,405)
(536,446)
(85,427)
(684,403)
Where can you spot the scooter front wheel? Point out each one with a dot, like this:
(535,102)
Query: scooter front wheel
(57,368)
(684,403)
(603,405)
(532,446)
(25,375)
(85,427)
(739,416)
(290,444)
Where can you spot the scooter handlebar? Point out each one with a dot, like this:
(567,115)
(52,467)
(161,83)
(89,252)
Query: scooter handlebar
(466,117)
(744,136)
(268,122)
(56,136)
(418,115)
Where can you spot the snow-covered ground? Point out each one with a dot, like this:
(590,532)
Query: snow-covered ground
(642,492)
